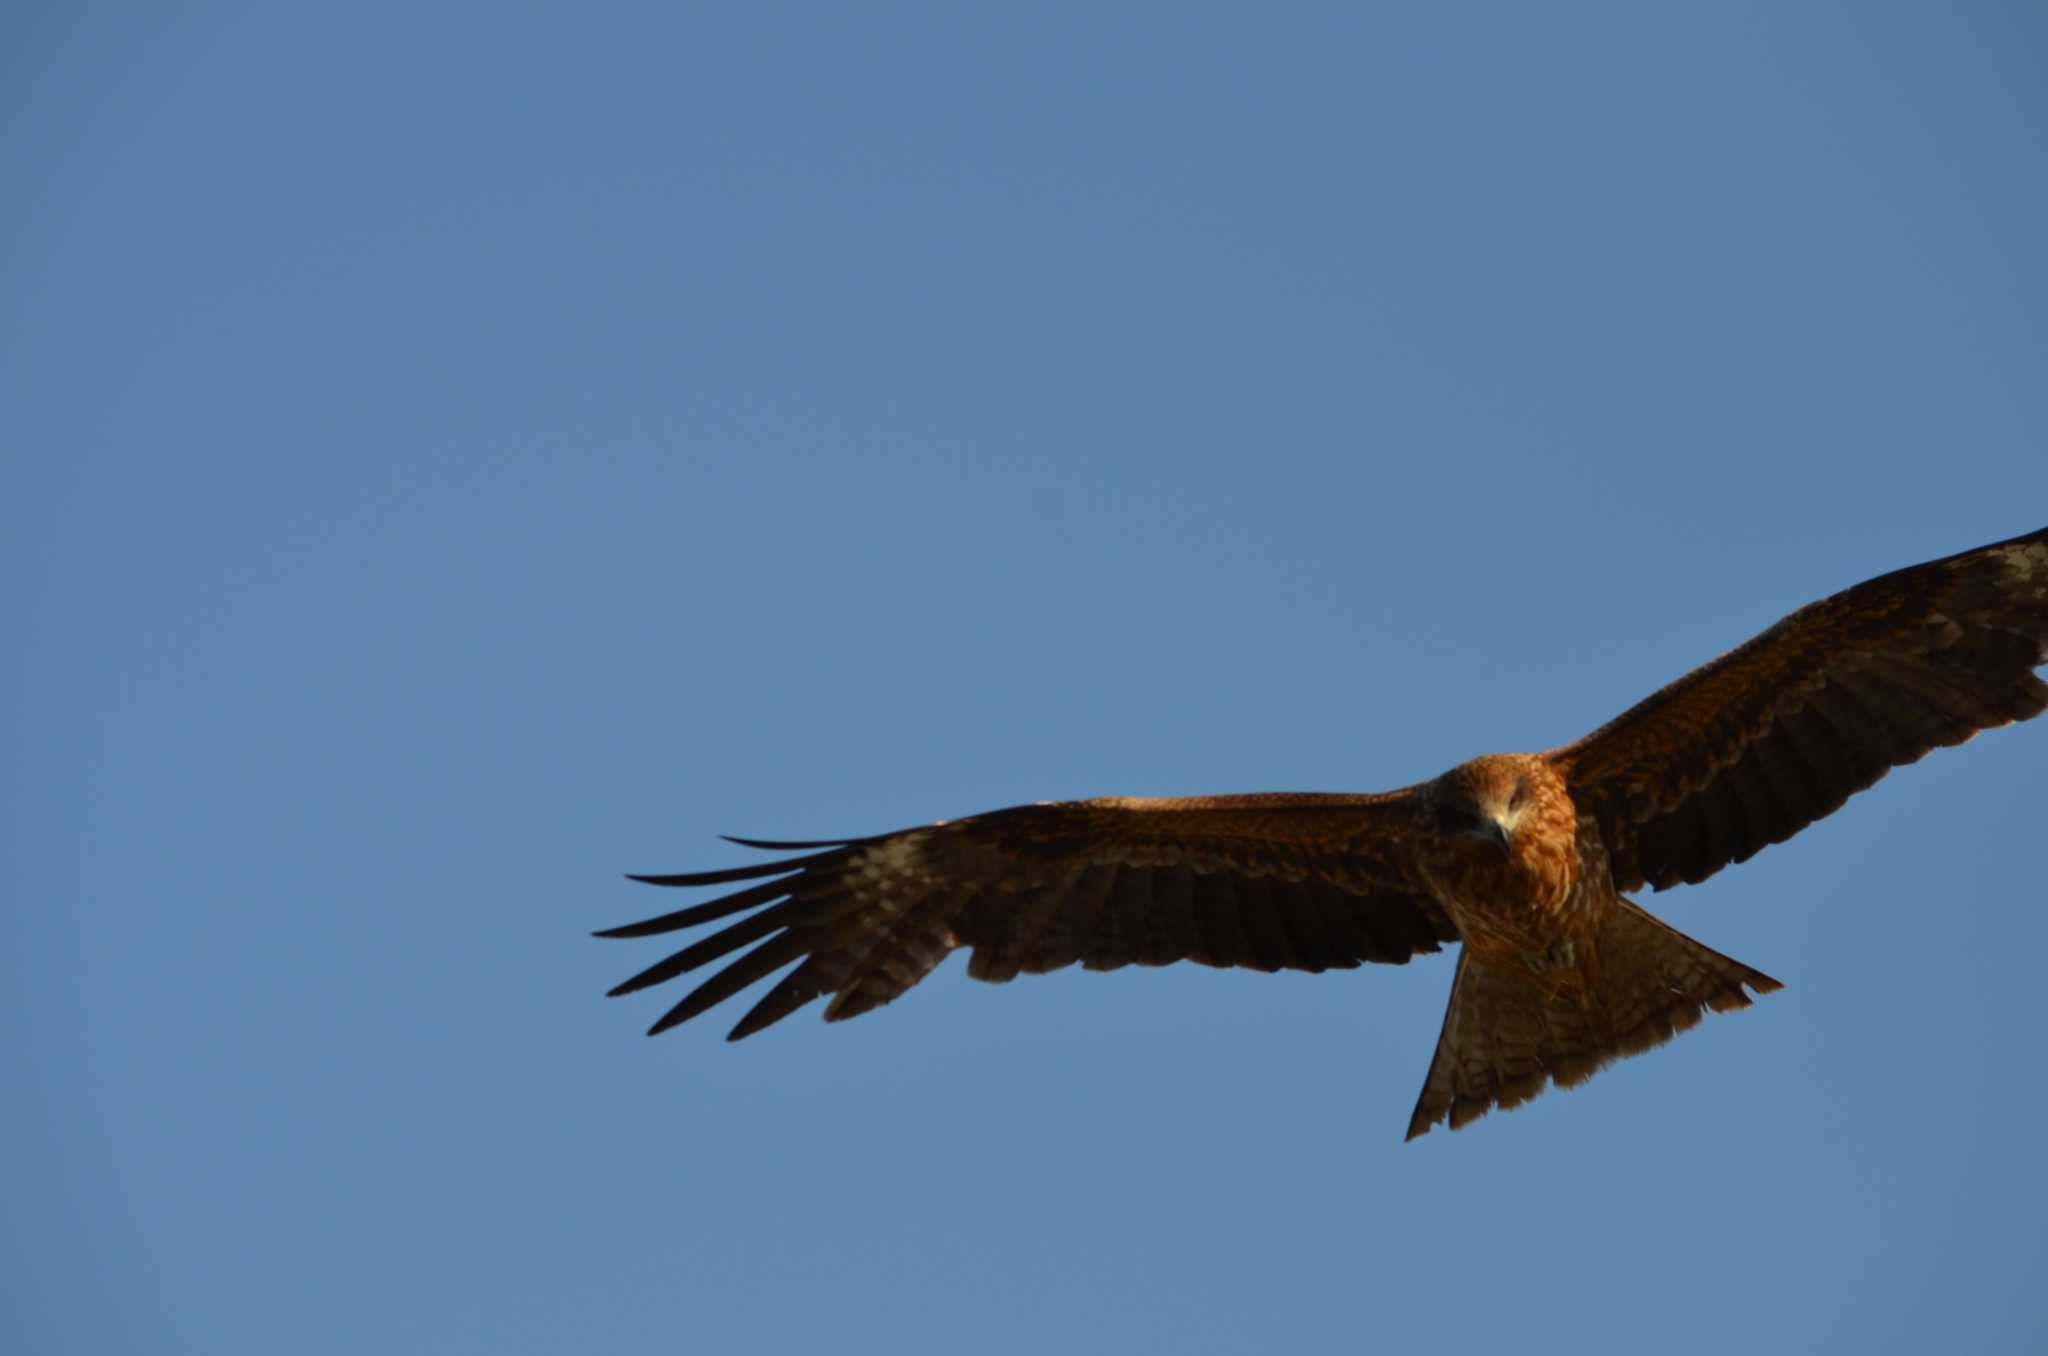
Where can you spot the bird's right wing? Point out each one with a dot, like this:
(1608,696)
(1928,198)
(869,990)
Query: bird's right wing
(1749,749)
(1268,882)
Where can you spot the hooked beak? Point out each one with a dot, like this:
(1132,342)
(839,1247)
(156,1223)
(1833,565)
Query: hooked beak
(1494,834)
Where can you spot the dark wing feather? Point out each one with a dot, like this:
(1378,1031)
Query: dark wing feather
(1267,882)
(1768,738)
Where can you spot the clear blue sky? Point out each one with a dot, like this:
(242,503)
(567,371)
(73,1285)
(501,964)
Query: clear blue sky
(455,454)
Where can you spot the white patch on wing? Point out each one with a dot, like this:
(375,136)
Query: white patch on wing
(2026,561)
(900,856)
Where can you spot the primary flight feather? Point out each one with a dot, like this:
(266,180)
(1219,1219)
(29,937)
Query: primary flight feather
(1523,858)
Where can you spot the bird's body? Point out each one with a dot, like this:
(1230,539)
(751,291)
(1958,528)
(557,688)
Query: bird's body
(1524,858)
(1517,872)
(1560,974)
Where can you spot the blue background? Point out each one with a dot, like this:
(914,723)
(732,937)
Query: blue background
(455,454)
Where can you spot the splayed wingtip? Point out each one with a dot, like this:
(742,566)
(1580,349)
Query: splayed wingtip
(786,845)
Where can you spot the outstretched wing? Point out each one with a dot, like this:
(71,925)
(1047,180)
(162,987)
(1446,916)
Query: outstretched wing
(1304,882)
(1768,738)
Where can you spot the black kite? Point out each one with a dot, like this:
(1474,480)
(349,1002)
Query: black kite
(1522,857)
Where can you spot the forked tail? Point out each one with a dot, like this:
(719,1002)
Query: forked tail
(1509,1031)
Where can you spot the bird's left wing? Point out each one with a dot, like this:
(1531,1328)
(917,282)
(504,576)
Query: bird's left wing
(1268,882)
(1753,747)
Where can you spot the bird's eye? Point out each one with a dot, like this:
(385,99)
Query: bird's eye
(1521,794)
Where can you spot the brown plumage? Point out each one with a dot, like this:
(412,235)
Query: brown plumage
(1522,857)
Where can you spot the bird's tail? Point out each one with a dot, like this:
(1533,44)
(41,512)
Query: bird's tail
(1510,1030)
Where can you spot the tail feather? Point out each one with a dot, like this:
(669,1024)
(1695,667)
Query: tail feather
(1510,1031)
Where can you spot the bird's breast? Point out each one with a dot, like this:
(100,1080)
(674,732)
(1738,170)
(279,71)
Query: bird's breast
(1529,905)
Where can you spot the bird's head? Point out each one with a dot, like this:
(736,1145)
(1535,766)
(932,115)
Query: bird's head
(1484,802)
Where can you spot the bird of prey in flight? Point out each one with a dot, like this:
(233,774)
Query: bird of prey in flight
(1524,858)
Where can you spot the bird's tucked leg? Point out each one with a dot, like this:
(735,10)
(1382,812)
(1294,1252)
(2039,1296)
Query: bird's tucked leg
(1567,970)
(1516,1024)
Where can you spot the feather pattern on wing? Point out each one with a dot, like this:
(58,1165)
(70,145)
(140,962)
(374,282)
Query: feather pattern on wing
(1752,748)
(1267,882)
